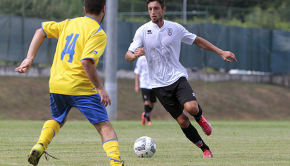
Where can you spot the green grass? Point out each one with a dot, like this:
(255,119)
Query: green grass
(234,143)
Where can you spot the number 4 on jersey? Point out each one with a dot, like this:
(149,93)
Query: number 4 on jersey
(70,46)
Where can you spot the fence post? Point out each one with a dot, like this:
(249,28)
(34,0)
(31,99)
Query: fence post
(184,12)
(23,28)
(111,57)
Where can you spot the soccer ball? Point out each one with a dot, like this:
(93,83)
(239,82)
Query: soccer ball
(145,147)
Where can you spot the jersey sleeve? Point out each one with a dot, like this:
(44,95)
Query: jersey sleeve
(137,69)
(95,47)
(137,40)
(187,37)
(53,29)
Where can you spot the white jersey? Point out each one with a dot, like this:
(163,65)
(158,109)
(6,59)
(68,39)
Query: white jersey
(162,48)
(142,70)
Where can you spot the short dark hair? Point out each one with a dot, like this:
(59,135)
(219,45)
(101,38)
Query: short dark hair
(94,6)
(161,2)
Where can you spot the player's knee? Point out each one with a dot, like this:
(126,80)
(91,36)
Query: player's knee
(148,102)
(191,108)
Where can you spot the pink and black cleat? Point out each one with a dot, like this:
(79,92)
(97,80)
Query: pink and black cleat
(143,119)
(207,154)
(149,123)
(205,125)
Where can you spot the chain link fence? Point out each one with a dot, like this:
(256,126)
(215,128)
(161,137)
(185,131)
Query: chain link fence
(257,49)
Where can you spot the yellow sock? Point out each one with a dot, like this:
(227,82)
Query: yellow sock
(111,147)
(49,130)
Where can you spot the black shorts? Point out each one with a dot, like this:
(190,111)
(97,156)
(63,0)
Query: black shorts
(174,96)
(148,94)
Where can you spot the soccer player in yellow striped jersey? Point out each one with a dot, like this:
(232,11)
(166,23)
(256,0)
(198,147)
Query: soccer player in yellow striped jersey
(79,38)
(74,81)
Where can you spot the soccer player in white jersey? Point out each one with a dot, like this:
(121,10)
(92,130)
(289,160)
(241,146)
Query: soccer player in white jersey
(142,82)
(162,40)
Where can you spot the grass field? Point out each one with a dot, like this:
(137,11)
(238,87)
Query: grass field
(234,143)
(237,139)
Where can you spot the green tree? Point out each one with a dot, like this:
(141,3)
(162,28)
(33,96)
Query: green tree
(49,9)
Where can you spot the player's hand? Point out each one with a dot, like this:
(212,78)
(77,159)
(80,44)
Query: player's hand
(139,52)
(24,66)
(105,98)
(227,56)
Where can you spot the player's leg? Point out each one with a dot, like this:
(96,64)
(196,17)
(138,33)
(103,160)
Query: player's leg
(96,113)
(147,111)
(194,109)
(147,106)
(189,130)
(144,97)
(168,99)
(151,103)
(59,111)
(192,134)
(110,142)
(187,98)
(49,130)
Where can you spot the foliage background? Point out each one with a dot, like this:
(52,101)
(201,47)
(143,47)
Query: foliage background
(269,14)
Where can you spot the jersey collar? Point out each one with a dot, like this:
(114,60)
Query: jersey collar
(156,26)
(93,19)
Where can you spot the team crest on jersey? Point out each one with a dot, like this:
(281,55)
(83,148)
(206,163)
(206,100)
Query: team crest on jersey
(149,31)
(170,31)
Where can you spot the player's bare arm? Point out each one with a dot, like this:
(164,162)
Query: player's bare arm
(35,44)
(226,55)
(92,73)
(137,83)
(131,56)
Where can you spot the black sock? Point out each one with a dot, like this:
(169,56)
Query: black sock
(147,109)
(147,116)
(192,134)
(198,115)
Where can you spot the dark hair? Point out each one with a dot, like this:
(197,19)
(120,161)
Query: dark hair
(161,2)
(94,6)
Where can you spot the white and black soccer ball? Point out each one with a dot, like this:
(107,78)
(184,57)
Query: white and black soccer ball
(145,147)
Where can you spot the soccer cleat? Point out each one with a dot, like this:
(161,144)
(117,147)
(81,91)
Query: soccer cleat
(143,119)
(117,163)
(149,123)
(35,154)
(207,154)
(205,125)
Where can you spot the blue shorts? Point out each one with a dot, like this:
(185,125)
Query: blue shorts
(89,105)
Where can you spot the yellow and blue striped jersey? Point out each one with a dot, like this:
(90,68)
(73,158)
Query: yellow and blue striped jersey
(79,38)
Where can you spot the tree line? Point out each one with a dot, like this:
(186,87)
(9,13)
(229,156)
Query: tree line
(270,14)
